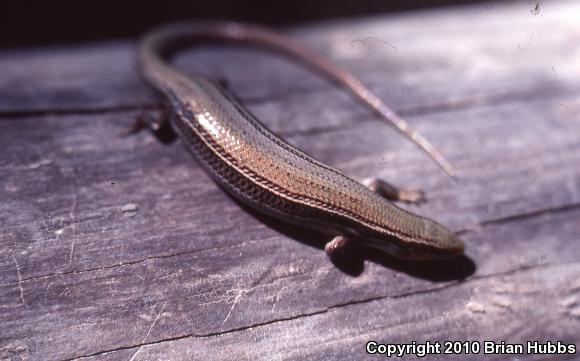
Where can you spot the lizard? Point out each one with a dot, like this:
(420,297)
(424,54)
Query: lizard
(265,172)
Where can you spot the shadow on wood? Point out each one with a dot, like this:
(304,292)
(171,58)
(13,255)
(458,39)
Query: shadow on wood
(433,270)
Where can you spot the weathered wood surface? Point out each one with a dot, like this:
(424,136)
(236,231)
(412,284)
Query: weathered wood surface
(122,248)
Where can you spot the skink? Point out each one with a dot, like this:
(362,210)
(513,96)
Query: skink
(255,166)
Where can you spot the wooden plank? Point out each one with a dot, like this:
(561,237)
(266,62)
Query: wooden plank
(474,310)
(261,285)
(472,56)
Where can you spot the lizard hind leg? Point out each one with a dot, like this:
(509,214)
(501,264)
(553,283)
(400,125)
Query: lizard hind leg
(394,193)
(336,247)
(345,256)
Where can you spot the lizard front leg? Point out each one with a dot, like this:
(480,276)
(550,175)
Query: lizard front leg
(160,126)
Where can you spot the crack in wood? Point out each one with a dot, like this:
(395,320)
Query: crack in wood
(541,93)
(523,216)
(130,263)
(17,114)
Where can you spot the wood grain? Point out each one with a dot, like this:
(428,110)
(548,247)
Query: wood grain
(122,248)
